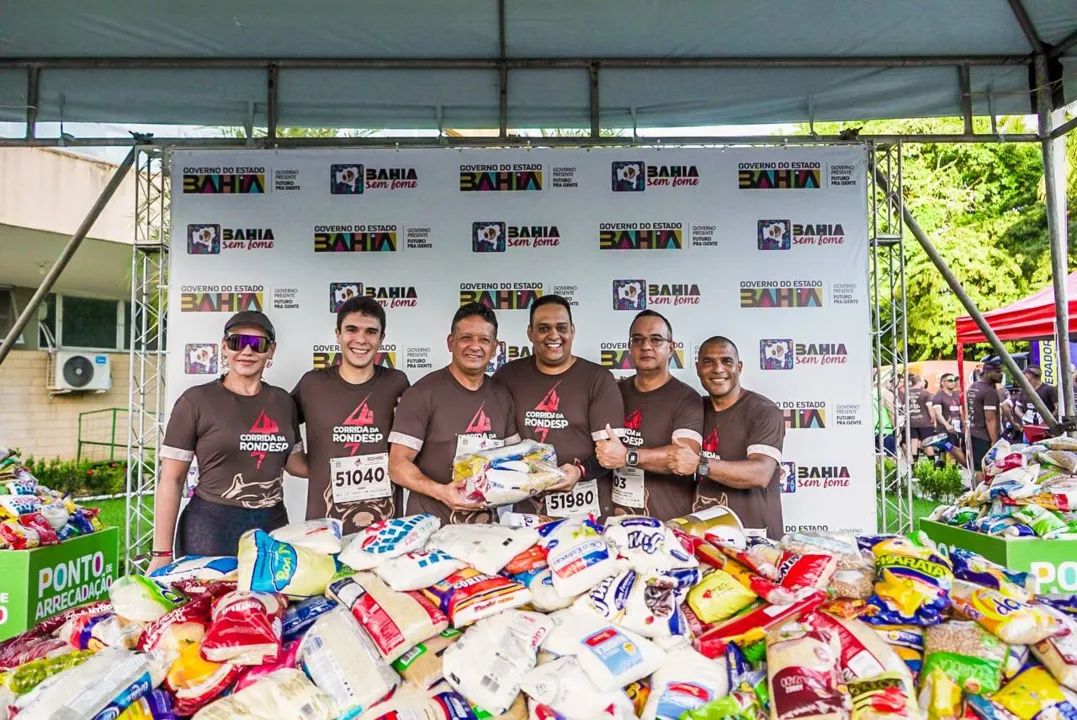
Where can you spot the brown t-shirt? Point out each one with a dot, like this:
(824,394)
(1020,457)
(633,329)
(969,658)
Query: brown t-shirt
(653,419)
(982,397)
(433,415)
(752,426)
(241,442)
(347,430)
(569,411)
(920,408)
(951,407)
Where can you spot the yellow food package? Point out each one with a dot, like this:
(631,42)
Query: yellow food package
(1011,621)
(718,596)
(940,697)
(638,692)
(1033,693)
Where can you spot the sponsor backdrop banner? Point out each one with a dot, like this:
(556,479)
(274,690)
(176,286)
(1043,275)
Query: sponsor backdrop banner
(765,246)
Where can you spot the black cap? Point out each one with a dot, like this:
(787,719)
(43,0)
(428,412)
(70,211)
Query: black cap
(992,365)
(1033,370)
(252,317)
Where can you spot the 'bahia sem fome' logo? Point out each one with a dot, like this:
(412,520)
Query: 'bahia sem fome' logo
(784,234)
(211,239)
(635,295)
(224,180)
(395,296)
(495,236)
(353,179)
(637,176)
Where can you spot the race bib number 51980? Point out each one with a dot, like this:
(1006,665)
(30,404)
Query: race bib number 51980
(580,500)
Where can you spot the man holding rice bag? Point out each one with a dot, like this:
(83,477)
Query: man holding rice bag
(453,411)
(564,401)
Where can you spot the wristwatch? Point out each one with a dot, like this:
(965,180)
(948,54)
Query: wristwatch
(704,469)
(632,458)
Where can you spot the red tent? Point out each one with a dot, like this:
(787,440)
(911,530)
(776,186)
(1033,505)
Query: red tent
(1026,319)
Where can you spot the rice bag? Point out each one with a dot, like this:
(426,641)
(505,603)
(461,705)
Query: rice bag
(139,599)
(27,486)
(322,535)
(101,687)
(18,505)
(488,663)
(544,596)
(469,595)
(299,617)
(645,604)
(281,694)
(578,555)
(1063,459)
(863,654)
(1012,621)
(507,474)
(1046,524)
(395,621)
(1034,695)
(912,584)
(208,589)
(177,628)
(907,641)
(685,681)
(422,665)
(530,560)
(245,629)
(563,686)
(760,558)
(17,536)
(804,674)
(387,539)
(765,588)
(718,596)
(970,656)
(612,656)
(197,568)
(342,660)
(45,534)
(844,548)
(751,626)
(195,681)
(487,548)
(1059,654)
(270,566)
(417,570)
(884,697)
(288,658)
(101,631)
(647,544)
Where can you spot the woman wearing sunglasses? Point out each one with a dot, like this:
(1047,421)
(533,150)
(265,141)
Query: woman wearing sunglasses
(245,434)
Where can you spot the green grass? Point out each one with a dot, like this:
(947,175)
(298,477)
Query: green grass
(921,508)
(113,514)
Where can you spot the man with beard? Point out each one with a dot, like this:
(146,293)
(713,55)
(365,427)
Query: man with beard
(661,413)
(348,410)
(743,433)
(983,404)
(564,401)
(453,411)
(946,409)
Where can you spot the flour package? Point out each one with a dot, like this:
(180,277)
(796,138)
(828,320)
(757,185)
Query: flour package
(321,536)
(647,544)
(386,539)
(489,662)
(578,555)
(270,566)
(544,596)
(612,656)
(685,681)
(285,693)
(487,548)
(196,568)
(417,570)
(563,686)
(341,659)
(646,604)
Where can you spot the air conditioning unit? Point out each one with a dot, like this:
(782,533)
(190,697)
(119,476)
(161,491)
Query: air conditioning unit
(81,372)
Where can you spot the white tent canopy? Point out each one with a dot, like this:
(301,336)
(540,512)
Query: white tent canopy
(475,63)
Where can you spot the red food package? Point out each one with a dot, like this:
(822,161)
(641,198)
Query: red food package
(806,571)
(253,674)
(246,629)
(174,630)
(45,534)
(55,622)
(688,542)
(530,560)
(17,536)
(760,559)
(209,589)
(695,625)
(195,681)
(752,626)
(34,649)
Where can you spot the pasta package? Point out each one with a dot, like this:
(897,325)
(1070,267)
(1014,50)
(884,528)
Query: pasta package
(1010,620)
(912,584)
(804,674)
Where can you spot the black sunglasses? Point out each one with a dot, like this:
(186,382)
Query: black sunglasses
(237,343)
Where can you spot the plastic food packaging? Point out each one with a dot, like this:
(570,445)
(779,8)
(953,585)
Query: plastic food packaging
(395,621)
(564,686)
(765,588)
(863,654)
(645,604)
(812,570)
(56,515)
(246,629)
(1043,522)
(417,570)
(468,595)
(102,686)
(1062,459)
(975,569)
(970,656)
(685,681)
(647,544)
(508,474)
(299,617)
(195,681)
(854,584)
(487,548)
(718,596)
(530,560)
(578,555)
(1010,620)
(157,705)
(45,534)
(844,548)
(442,703)
(139,599)
(804,675)
(269,566)
(752,626)
(281,695)
(197,568)
(342,660)
(544,596)
(17,536)
(18,505)
(288,658)
(422,665)
(26,677)
(912,584)
(386,539)
(884,697)
(1059,654)
(321,536)
(612,656)
(907,641)
(1034,695)
(208,589)
(178,628)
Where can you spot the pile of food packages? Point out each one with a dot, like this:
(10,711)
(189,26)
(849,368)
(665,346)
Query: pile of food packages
(573,619)
(32,515)
(1027,491)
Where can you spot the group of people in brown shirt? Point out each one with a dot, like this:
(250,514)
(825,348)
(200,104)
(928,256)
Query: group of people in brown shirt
(647,444)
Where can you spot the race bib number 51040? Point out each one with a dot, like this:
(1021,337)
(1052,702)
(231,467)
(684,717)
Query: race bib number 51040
(360,477)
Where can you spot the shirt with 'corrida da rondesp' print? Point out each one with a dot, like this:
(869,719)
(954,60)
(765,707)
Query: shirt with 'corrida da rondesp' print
(348,445)
(753,425)
(439,418)
(241,442)
(569,411)
(654,419)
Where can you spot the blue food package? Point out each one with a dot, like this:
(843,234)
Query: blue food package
(299,617)
(973,568)
(912,584)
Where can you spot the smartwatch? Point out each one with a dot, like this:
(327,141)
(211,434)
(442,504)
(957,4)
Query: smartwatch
(704,469)
(632,458)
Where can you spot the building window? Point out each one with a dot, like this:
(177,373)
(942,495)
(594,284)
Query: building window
(88,323)
(8,314)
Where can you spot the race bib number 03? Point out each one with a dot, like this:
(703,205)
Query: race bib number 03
(360,477)
(468,444)
(580,500)
(628,487)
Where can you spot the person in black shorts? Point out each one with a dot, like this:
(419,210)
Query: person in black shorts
(984,414)
(921,422)
(946,410)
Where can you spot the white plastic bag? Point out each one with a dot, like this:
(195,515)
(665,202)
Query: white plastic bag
(612,656)
(544,596)
(418,570)
(487,665)
(281,695)
(197,568)
(136,598)
(685,681)
(386,539)
(646,604)
(102,686)
(322,535)
(564,686)
(487,548)
(647,544)
(578,555)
